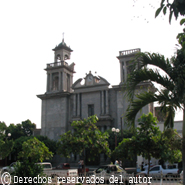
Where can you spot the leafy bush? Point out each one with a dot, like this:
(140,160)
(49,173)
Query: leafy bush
(27,169)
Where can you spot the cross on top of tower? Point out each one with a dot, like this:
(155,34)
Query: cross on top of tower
(63,37)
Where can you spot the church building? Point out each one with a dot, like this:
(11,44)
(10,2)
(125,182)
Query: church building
(65,101)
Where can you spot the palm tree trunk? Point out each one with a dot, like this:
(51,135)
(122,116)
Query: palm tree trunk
(183,145)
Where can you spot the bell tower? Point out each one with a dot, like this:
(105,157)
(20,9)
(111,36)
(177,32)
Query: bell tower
(60,73)
(125,58)
(57,99)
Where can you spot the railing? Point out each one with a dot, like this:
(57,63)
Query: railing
(56,64)
(128,52)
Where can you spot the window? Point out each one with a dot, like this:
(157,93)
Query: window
(55,83)
(58,57)
(155,168)
(90,110)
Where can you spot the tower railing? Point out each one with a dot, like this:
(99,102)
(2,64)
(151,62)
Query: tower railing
(128,52)
(56,64)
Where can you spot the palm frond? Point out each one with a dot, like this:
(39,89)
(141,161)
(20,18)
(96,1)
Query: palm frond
(171,94)
(168,105)
(137,104)
(170,114)
(144,75)
(167,98)
(154,59)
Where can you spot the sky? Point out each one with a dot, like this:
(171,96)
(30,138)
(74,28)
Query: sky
(96,30)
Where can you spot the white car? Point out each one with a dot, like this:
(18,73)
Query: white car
(108,171)
(157,169)
(9,169)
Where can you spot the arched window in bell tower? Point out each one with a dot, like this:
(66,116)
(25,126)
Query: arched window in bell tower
(55,83)
(129,67)
(66,57)
(58,57)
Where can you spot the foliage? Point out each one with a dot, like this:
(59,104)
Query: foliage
(28,169)
(149,141)
(175,8)
(86,136)
(18,144)
(120,136)
(51,144)
(6,144)
(23,129)
(171,146)
(2,129)
(181,36)
(27,127)
(169,74)
(35,151)
(172,85)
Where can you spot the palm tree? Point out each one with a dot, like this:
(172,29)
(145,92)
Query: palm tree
(170,75)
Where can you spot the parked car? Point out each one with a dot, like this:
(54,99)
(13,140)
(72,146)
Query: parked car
(158,169)
(64,166)
(110,170)
(11,168)
(46,165)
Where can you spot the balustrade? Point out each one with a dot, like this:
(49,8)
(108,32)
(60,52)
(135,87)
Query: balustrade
(56,64)
(128,52)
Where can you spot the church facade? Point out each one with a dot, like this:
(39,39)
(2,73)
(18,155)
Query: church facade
(65,101)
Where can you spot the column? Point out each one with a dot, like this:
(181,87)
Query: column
(62,81)
(121,72)
(102,102)
(74,105)
(78,105)
(59,81)
(107,102)
(48,82)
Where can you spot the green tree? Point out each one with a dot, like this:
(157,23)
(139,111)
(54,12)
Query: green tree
(86,136)
(170,145)
(6,144)
(149,141)
(120,136)
(27,127)
(111,140)
(18,145)
(33,151)
(175,8)
(23,129)
(51,144)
